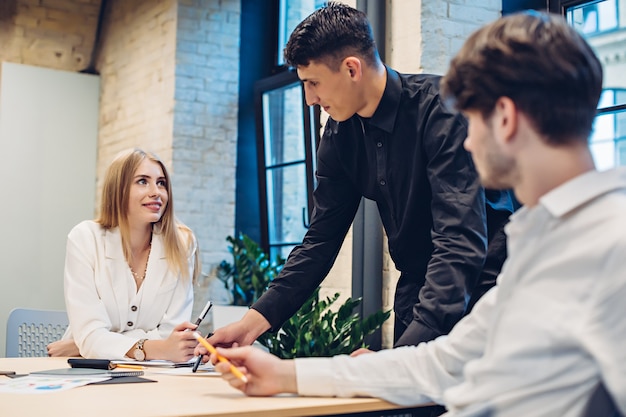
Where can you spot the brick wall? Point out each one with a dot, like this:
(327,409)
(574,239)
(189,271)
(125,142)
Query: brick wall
(55,34)
(424,35)
(205,121)
(205,127)
(136,66)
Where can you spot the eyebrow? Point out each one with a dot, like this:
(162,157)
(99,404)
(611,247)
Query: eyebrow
(148,176)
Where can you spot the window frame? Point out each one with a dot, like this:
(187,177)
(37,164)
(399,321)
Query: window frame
(311,137)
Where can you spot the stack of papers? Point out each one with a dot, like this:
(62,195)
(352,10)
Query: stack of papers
(156,363)
(203,370)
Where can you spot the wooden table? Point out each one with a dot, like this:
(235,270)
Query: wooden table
(172,395)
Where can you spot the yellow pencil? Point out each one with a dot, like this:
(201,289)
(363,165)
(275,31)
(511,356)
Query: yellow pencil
(124,366)
(220,358)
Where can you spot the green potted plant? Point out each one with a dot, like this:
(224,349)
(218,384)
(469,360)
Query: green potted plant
(316,329)
(250,272)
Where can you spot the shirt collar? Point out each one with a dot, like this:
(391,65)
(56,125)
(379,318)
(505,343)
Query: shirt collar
(385,115)
(582,189)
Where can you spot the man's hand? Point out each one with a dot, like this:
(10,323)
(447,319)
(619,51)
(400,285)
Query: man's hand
(360,351)
(240,333)
(63,348)
(243,332)
(267,374)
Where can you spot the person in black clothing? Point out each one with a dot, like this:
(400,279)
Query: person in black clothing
(391,139)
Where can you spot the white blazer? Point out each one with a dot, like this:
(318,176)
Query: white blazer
(107,315)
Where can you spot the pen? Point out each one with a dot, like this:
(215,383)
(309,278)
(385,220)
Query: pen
(203,313)
(198,361)
(220,358)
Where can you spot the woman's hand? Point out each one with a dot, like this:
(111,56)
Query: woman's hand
(178,347)
(63,348)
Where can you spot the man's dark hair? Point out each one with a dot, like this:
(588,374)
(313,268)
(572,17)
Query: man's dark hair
(540,62)
(329,35)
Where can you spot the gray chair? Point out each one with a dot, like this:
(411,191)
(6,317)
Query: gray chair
(30,330)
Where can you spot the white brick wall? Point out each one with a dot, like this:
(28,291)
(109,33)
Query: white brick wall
(205,125)
(205,120)
(136,65)
(424,35)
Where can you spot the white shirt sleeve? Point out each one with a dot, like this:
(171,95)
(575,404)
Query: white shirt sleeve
(407,376)
(606,331)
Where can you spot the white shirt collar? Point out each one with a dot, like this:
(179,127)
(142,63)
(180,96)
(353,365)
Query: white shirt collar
(578,191)
(582,189)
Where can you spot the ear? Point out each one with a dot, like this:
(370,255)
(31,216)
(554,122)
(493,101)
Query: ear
(505,120)
(354,67)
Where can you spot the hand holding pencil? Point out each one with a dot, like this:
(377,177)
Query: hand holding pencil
(265,373)
(212,350)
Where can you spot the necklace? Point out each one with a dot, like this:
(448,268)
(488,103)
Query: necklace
(138,277)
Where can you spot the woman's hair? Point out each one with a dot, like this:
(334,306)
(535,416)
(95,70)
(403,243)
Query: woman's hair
(329,35)
(178,239)
(537,60)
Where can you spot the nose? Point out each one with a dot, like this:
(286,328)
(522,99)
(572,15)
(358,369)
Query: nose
(310,97)
(153,191)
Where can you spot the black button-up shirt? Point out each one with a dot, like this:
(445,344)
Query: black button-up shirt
(409,158)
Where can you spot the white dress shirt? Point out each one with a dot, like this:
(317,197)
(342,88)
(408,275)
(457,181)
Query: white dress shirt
(106,312)
(537,344)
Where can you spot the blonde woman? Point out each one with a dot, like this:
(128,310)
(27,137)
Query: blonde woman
(129,274)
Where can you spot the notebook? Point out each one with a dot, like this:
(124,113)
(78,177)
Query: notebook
(111,364)
(87,372)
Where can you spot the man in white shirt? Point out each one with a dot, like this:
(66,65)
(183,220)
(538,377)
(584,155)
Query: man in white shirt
(554,328)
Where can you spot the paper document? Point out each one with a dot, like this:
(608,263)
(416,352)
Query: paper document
(206,369)
(45,384)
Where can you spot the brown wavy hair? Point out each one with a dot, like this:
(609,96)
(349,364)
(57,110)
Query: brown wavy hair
(537,60)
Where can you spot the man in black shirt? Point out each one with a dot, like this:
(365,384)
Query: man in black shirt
(390,139)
